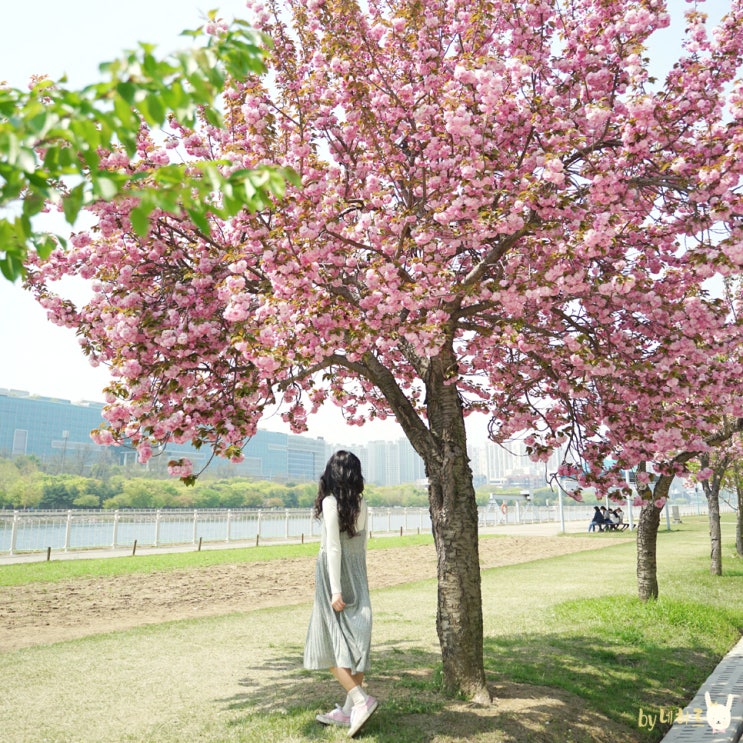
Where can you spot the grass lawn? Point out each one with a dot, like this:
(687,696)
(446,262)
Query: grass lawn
(571,655)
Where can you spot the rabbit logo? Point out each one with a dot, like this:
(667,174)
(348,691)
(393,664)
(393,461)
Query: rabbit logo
(718,715)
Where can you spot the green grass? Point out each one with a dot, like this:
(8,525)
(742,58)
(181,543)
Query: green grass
(618,655)
(570,653)
(614,652)
(58,570)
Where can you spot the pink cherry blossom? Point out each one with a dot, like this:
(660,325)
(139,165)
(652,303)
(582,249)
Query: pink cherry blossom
(499,207)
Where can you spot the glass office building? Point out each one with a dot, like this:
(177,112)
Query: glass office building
(48,428)
(58,433)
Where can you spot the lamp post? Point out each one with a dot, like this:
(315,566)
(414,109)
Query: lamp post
(65,436)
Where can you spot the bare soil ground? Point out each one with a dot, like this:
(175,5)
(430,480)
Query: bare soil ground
(39,614)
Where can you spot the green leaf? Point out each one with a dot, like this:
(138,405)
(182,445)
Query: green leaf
(291,176)
(152,109)
(38,181)
(86,132)
(169,175)
(91,158)
(127,91)
(167,200)
(105,188)
(156,109)
(33,203)
(11,264)
(124,111)
(140,219)
(37,123)
(44,245)
(72,203)
(199,219)
(212,116)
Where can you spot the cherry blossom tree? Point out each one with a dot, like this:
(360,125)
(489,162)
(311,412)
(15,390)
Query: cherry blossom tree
(653,485)
(500,212)
(717,468)
(735,482)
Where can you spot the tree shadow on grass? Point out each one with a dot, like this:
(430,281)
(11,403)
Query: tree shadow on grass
(282,695)
(609,676)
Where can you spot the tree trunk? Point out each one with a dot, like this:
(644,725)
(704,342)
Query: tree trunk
(455,530)
(712,493)
(715,532)
(739,517)
(647,544)
(442,444)
(459,614)
(647,539)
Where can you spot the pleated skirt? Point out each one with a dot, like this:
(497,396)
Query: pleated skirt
(341,639)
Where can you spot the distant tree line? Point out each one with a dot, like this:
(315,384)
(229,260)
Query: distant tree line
(27,482)
(24,484)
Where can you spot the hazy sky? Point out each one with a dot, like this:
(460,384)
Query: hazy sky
(72,37)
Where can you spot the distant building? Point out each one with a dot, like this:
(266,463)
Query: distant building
(48,428)
(390,462)
(478,462)
(383,463)
(58,433)
(306,458)
(509,465)
(412,468)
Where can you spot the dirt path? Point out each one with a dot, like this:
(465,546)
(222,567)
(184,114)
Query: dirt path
(39,613)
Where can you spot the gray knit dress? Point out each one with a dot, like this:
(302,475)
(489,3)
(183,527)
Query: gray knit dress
(341,639)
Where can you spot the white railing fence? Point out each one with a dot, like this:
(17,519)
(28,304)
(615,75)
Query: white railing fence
(37,531)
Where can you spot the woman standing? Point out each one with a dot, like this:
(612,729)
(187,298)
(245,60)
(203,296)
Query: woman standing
(339,635)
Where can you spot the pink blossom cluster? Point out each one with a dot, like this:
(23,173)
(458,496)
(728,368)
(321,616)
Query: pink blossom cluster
(494,197)
(182,468)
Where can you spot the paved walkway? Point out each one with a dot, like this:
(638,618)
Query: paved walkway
(715,714)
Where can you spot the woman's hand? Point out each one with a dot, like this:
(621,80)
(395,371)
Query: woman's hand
(337,602)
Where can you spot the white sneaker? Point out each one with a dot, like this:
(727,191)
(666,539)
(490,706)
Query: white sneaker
(336,717)
(360,713)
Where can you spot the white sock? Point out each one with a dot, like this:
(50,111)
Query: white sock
(358,695)
(348,704)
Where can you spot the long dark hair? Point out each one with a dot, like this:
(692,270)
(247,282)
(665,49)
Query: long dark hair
(343,479)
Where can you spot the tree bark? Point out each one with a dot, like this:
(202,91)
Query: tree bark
(738,476)
(454,518)
(715,531)
(647,545)
(442,445)
(712,493)
(459,620)
(647,539)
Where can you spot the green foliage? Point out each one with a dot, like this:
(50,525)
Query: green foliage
(23,484)
(50,139)
(619,654)
(408,495)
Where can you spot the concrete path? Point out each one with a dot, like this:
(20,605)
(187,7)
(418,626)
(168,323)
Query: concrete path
(715,714)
